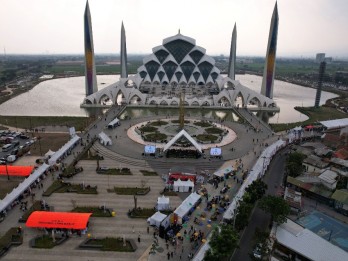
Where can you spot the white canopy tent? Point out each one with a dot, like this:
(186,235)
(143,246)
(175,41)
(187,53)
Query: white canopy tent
(58,154)
(163,203)
(104,139)
(334,124)
(156,219)
(183,186)
(49,154)
(114,123)
(222,172)
(187,136)
(7,201)
(187,204)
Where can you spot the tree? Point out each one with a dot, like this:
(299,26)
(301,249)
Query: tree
(223,242)
(276,206)
(294,164)
(242,216)
(255,191)
(261,244)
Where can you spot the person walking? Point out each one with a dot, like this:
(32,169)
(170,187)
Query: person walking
(139,238)
(148,230)
(168,255)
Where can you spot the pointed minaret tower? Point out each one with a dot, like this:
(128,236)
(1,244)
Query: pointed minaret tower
(232,61)
(90,71)
(269,70)
(124,71)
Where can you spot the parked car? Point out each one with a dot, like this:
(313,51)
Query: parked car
(24,137)
(11,158)
(2,162)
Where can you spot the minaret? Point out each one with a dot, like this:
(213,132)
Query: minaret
(269,70)
(232,61)
(124,71)
(90,71)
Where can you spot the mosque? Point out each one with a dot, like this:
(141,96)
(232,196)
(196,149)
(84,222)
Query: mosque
(177,67)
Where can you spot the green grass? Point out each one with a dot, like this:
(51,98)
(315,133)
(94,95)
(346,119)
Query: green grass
(148,129)
(62,187)
(141,213)
(314,114)
(114,171)
(214,130)
(130,190)
(149,173)
(28,122)
(44,242)
(9,236)
(177,121)
(158,123)
(206,137)
(155,136)
(96,211)
(203,124)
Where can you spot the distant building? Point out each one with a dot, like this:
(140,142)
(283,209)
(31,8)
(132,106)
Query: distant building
(328,59)
(320,57)
(341,201)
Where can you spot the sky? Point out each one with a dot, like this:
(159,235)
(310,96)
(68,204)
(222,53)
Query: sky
(306,27)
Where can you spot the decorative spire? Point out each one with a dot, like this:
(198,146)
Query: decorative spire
(90,70)
(269,70)
(124,71)
(232,60)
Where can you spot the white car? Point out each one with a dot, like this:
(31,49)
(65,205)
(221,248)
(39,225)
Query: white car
(11,158)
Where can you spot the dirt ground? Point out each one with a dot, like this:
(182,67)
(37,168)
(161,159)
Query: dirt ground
(48,141)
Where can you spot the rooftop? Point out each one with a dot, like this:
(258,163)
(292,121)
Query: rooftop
(307,243)
(341,195)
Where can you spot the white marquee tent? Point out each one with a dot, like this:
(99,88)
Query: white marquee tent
(187,136)
(156,219)
(183,186)
(104,139)
(222,172)
(187,204)
(163,203)
(63,150)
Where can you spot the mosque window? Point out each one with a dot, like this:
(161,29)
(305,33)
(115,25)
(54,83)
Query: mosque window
(152,68)
(214,75)
(179,49)
(205,68)
(143,74)
(160,75)
(169,68)
(196,56)
(187,68)
(196,75)
(178,75)
(161,55)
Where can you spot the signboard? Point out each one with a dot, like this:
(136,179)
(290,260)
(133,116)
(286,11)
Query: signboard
(150,149)
(215,151)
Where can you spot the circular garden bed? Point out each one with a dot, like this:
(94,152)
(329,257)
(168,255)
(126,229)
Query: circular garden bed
(155,136)
(206,138)
(214,130)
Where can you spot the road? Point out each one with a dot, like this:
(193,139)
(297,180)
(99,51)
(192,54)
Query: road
(260,219)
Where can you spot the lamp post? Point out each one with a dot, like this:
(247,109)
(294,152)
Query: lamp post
(8,176)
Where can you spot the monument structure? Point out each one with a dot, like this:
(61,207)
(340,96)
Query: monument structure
(232,60)
(124,71)
(269,70)
(90,71)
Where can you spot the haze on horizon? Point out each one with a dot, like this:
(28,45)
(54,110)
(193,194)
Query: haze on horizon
(56,26)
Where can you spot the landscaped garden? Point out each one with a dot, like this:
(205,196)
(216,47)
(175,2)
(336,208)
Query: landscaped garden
(155,136)
(206,138)
(59,186)
(203,124)
(158,123)
(96,211)
(141,212)
(46,241)
(114,171)
(130,190)
(148,129)
(13,236)
(149,173)
(214,130)
(37,206)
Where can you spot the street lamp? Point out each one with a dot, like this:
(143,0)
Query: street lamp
(8,176)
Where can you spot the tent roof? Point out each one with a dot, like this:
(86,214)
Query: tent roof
(158,216)
(49,153)
(22,171)
(333,124)
(187,183)
(114,121)
(68,220)
(163,200)
(104,137)
(178,136)
(16,192)
(187,204)
(63,149)
(222,172)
